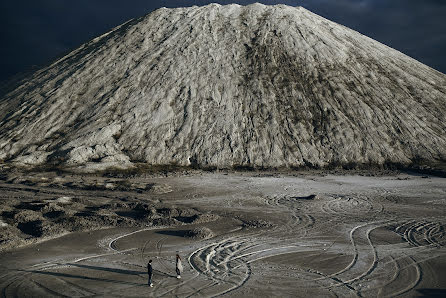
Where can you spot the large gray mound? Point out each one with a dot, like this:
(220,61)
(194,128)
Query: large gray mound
(261,86)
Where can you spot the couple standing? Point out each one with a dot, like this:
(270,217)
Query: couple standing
(178,269)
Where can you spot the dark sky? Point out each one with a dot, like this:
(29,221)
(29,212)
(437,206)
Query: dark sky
(35,32)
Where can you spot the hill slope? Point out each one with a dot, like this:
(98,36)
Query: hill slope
(263,86)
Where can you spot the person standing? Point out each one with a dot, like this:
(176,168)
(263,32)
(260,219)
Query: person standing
(179,266)
(150,273)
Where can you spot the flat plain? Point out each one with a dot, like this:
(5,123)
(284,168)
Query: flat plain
(240,234)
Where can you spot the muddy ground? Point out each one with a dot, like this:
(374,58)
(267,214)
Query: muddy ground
(239,234)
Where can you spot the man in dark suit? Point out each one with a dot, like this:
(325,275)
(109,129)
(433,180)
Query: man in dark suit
(150,273)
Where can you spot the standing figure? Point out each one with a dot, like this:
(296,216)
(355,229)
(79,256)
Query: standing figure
(150,273)
(179,266)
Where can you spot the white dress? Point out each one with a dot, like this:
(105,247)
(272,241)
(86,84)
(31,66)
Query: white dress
(179,265)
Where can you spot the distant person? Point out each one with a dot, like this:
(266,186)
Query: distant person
(179,266)
(150,273)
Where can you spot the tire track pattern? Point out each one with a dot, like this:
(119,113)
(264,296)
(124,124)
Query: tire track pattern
(227,262)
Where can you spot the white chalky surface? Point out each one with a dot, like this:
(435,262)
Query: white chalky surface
(255,85)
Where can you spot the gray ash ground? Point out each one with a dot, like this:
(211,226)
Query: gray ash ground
(240,234)
(35,206)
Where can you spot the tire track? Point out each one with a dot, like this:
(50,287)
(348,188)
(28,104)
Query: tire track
(422,233)
(415,281)
(358,272)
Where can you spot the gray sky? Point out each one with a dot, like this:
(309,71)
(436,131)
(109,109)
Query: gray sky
(35,32)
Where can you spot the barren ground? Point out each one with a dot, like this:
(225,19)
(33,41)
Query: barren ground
(239,234)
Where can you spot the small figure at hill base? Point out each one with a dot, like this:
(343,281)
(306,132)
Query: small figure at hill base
(150,273)
(179,266)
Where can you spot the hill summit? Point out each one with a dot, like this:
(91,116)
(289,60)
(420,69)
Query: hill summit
(223,86)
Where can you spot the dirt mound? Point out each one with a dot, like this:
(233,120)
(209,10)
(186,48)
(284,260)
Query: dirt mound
(257,223)
(203,218)
(199,233)
(230,87)
(36,215)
